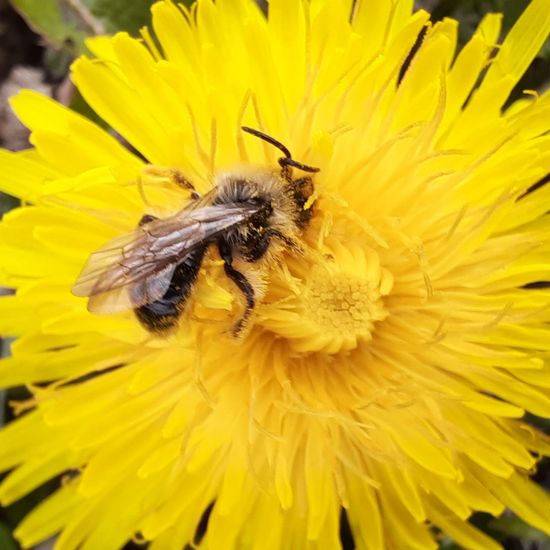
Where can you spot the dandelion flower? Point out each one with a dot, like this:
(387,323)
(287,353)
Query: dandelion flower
(385,371)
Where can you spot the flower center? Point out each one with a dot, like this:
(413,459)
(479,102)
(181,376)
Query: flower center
(345,303)
(335,304)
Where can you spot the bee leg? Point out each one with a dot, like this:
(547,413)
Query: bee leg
(291,243)
(240,280)
(301,189)
(258,246)
(146,218)
(181,181)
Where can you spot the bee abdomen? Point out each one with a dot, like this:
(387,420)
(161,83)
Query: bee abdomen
(162,315)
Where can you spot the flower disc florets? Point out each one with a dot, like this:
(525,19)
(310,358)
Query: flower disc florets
(396,339)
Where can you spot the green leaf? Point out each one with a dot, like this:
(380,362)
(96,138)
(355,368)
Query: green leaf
(511,526)
(116,16)
(7,203)
(127,16)
(6,540)
(65,24)
(60,26)
(14,513)
(446,543)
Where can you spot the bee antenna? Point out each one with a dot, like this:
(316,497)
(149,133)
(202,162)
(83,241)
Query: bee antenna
(269,139)
(285,161)
(291,162)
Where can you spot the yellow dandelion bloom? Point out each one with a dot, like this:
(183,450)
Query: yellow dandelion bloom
(389,358)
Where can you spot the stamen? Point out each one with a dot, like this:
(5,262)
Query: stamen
(213,149)
(198,379)
(240,122)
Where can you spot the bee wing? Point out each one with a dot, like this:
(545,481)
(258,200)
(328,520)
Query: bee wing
(145,260)
(131,295)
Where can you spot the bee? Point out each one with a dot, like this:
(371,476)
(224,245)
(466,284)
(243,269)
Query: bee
(154,269)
